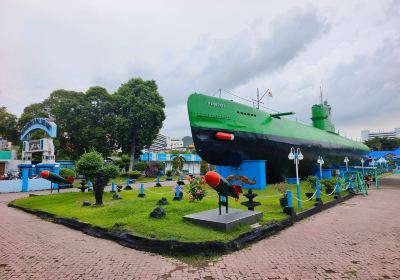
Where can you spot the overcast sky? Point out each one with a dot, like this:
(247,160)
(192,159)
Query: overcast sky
(352,48)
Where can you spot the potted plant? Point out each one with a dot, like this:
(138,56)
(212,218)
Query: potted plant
(169,175)
(311,181)
(329,185)
(83,186)
(283,200)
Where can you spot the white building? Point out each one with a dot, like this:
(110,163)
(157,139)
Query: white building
(176,144)
(161,143)
(367,134)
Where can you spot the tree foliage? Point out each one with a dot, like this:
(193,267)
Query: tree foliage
(140,115)
(90,164)
(203,167)
(129,119)
(383,144)
(8,125)
(177,162)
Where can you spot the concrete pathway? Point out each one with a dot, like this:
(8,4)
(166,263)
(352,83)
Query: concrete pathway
(359,239)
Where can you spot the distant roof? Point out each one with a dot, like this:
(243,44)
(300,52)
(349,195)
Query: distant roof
(379,154)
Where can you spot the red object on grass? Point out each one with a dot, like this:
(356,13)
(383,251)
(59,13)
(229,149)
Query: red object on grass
(212,178)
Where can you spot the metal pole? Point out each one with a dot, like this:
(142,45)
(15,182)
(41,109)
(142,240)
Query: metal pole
(298,181)
(289,199)
(318,191)
(320,170)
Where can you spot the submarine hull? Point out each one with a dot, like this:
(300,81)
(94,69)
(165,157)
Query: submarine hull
(273,149)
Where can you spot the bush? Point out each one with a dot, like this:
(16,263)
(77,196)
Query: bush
(196,189)
(135,174)
(312,180)
(110,171)
(141,166)
(66,172)
(152,170)
(169,173)
(329,184)
(90,164)
(203,167)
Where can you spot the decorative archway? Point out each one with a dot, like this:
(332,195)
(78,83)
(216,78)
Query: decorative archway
(44,145)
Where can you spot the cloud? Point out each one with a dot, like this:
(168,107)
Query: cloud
(290,47)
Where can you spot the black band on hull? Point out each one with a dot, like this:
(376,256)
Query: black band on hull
(273,149)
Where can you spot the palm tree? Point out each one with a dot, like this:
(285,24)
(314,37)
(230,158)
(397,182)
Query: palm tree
(177,163)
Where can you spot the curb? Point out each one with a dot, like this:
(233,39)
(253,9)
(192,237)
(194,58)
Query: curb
(175,247)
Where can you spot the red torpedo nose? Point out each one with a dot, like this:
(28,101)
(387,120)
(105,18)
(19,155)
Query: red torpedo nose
(212,178)
(44,174)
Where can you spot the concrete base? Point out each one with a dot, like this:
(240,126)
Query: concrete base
(226,221)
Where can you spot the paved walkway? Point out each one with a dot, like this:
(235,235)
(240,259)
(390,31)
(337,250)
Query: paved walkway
(359,239)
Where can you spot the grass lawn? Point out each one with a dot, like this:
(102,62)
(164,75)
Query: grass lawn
(132,213)
(122,180)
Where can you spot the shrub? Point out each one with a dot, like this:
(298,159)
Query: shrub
(66,172)
(90,164)
(203,167)
(329,184)
(141,166)
(196,189)
(110,171)
(152,170)
(169,173)
(311,180)
(135,174)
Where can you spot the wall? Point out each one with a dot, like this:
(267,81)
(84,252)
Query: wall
(16,185)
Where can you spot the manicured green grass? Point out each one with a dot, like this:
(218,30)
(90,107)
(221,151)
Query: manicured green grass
(132,213)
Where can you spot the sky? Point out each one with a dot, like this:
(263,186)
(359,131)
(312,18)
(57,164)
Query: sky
(351,48)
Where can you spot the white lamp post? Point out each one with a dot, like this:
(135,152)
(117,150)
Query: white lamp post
(362,164)
(296,156)
(321,162)
(346,161)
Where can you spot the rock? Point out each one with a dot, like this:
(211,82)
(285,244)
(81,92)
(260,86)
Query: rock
(158,213)
(117,196)
(163,201)
(86,203)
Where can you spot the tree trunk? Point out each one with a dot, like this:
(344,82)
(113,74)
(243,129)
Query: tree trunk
(98,194)
(132,161)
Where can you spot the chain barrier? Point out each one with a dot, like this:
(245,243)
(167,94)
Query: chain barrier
(334,189)
(266,196)
(295,197)
(147,189)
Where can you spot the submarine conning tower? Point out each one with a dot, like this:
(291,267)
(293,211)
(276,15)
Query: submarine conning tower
(321,117)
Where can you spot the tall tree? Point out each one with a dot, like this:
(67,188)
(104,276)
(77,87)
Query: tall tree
(8,125)
(140,114)
(35,110)
(383,143)
(100,131)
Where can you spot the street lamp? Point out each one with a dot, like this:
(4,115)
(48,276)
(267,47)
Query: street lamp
(346,161)
(296,156)
(321,162)
(362,164)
